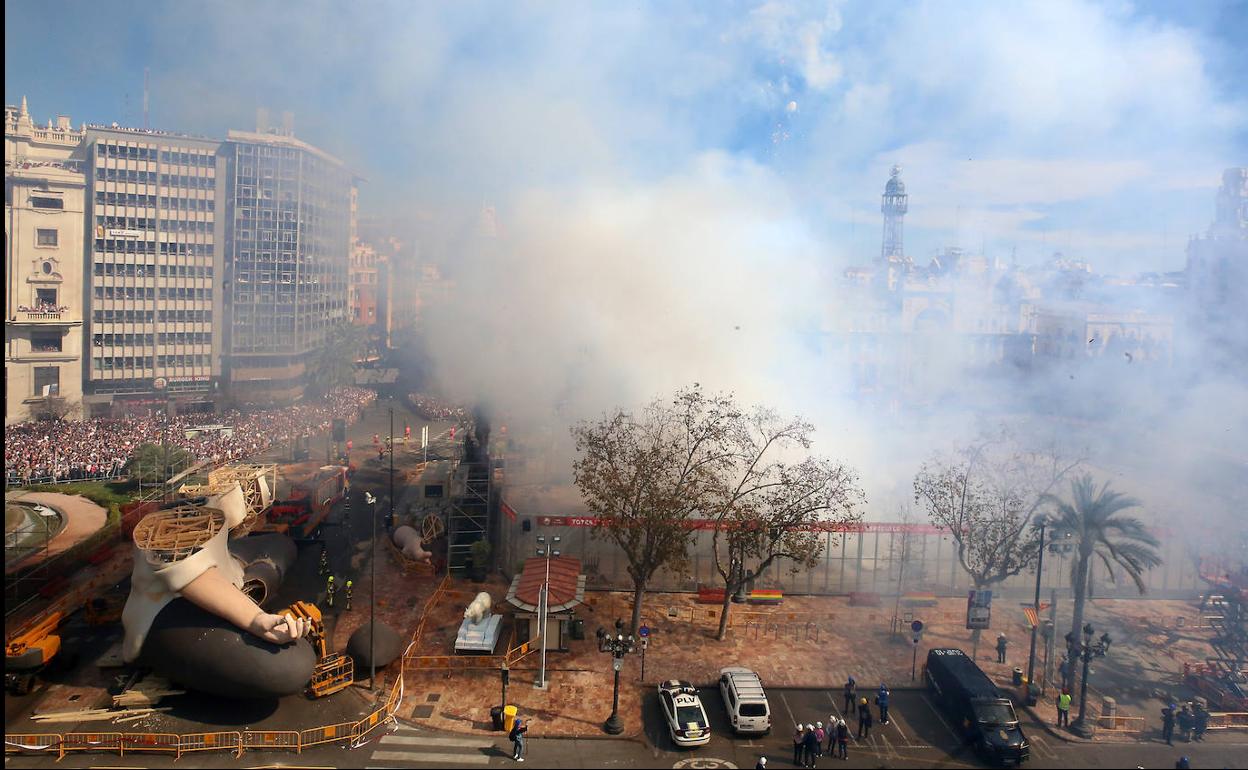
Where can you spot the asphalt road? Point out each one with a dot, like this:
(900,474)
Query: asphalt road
(916,737)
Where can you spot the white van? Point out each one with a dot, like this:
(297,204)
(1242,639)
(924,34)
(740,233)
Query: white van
(742,691)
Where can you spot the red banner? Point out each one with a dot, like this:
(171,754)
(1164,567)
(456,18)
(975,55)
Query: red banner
(701,524)
(508,511)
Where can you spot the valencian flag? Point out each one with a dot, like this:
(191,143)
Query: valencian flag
(508,511)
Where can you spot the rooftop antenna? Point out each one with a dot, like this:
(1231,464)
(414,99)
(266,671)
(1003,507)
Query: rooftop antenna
(146,74)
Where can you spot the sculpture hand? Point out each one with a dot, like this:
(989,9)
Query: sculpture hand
(278,629)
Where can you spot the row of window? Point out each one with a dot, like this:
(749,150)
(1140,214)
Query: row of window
(148,316)
(149,153)
(148,292)
(123,199)
(150,270)
(109,363)
(149,339)
(130,246)
(176,203)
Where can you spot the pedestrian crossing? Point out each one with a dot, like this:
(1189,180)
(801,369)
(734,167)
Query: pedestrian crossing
(410,747)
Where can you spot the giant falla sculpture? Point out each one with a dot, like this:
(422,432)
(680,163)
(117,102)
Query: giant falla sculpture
(188,616)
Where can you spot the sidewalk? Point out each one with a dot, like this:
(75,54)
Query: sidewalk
(806,642)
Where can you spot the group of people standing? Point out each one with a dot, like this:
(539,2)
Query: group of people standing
(1192,719)
(812,741)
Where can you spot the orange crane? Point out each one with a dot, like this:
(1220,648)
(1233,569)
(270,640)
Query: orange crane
(30,649)
(334,671)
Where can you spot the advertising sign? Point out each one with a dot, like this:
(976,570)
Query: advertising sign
(978,608)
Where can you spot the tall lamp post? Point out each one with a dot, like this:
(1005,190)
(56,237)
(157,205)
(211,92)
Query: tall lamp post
(1088,650)
(543,611)
(618,645)
(372,592)
(1042,522)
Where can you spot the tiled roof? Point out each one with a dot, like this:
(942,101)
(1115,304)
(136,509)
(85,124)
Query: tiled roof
(565,572)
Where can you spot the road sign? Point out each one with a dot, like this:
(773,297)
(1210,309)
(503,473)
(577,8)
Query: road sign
(916,626)
(644,631)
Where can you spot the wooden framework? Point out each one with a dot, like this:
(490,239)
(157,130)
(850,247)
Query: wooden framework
(173,534)
(256,497)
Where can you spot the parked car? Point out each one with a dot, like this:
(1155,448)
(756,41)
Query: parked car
(745,700)
(974,703)
(684,713)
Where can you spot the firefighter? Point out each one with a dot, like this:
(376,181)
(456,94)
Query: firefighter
(330,589)
(348,596)
(324,568)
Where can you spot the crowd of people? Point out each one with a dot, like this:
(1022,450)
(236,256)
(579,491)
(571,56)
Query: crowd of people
(63,450)
(434,408)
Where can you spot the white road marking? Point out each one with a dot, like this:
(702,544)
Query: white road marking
(415,740)
(785,701)
(409,757)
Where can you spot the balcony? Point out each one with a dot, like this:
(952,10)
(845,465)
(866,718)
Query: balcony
(49,314)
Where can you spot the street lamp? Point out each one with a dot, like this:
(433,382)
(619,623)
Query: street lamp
(618,645)
(543,602)
(1041,522)
(372,592)
(1088,649)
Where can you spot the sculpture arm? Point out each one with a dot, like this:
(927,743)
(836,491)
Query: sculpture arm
(216,594)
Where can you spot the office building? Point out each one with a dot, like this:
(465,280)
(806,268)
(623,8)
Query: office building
(287,256)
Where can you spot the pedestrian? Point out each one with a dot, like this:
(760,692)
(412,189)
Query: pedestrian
(1167,724)
(842,738)
(1063,708)
(350,446)
(381,452)
(809,746)
(761,764)
(881,700)
(1200,720)
(516,736)
(820,735)
(863,709)
(1185,723)
(831,733)
(851,691)
(323,570)
(1001,645)
(330,589)
(799,736)
(864,726)
(348,596)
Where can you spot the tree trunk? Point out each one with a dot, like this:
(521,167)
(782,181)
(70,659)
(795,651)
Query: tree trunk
(639,592)
(723,611)
(1076,625)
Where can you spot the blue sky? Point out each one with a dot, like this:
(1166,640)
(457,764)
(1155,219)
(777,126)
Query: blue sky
(1095,129)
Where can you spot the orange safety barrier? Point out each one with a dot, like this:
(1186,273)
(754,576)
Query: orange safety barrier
(220,741)
(19,743)
(368,724)
(272,739)
(1121,724)
(91,742)
(326,734)
(160,743)
(1223,720)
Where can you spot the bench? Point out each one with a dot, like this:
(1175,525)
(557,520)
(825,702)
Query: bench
(864,599)
(710,595)
(774,596)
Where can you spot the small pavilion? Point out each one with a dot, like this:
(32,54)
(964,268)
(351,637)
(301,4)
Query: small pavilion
(567,589)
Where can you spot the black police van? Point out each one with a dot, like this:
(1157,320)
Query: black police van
(974,703)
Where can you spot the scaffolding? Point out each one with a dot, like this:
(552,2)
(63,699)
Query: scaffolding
(1224,677)
(469,517)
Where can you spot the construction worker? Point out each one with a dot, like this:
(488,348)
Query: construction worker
(330,589)
(348,596)
(324,568)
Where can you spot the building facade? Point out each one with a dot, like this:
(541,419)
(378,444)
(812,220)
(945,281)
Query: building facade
(43,246)
(156,261)
(287,255)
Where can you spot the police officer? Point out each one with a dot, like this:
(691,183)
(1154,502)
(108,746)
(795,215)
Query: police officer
(348,596)
(330,589)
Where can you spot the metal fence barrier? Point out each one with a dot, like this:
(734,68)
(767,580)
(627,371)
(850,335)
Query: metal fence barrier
(22,743)
(158,743)
(91,742)
(219,741)
(272,739)
(327,734)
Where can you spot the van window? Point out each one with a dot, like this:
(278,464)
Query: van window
(753,709)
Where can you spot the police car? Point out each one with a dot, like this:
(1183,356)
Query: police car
(684,714)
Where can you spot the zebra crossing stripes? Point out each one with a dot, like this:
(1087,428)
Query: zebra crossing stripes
(408,747)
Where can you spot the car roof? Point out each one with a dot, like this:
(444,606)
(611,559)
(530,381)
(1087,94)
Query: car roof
(749,686)
(737,670)
(677,685)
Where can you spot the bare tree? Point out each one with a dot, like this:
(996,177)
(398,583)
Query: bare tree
(985,495)
(772,503)
(644,477)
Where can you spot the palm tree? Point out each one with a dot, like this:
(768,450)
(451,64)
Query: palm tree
(1093,518)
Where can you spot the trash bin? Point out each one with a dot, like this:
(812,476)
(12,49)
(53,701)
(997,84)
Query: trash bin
(576,629)
(1018,676)
(509,717)
(496,716)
